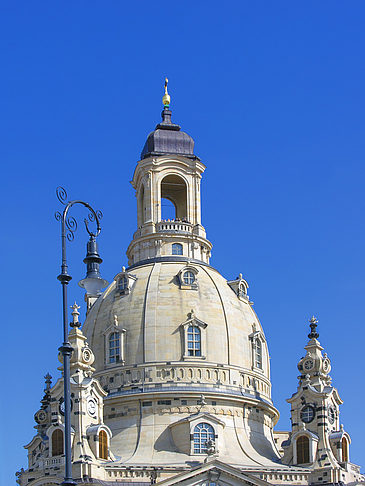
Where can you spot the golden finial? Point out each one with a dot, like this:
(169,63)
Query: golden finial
(166,97)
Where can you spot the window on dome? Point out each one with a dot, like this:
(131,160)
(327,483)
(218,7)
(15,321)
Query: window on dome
(103,445)
(114,347)
(302,449)
(194,341)
(123,283)
(57,443)
(202,434)
(177,249)
(188,278)
(258,353)
(242,291)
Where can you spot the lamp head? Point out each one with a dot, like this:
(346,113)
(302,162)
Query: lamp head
(93,283)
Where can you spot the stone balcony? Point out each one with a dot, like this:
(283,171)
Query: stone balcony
(165,226)
(174,227)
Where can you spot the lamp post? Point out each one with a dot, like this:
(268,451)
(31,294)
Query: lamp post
(68,228)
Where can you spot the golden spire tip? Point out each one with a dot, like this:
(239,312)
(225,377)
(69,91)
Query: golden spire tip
(166,97)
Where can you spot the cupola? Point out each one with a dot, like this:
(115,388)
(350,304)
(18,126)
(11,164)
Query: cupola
(167,137)
(168,174)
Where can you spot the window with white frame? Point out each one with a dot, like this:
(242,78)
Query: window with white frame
(194,341)
(114,347)
(123,283)
(257,351)
(194,338)
(203,433)
(188,278)
(177,249)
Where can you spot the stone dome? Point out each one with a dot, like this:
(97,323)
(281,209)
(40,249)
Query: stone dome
(153,315)
(159,392)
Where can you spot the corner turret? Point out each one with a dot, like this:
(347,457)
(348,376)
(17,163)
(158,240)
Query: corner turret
(317,440)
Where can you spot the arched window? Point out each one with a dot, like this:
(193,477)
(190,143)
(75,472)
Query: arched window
(302,449)
(173,198)
(345,450)
(103,445)
(202,434)
(177,249)
(258,353)
(188,278)
(194,341)
(114,347)
(57,443)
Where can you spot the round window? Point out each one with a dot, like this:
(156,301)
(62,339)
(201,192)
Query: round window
(307,414)
(188,278)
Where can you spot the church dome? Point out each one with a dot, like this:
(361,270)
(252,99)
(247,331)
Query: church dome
(153,307)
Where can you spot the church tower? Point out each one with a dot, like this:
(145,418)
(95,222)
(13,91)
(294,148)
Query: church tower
(168,170)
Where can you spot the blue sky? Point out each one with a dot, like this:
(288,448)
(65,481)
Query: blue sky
(273,94)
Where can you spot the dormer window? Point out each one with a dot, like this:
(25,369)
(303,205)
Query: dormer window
(239,287)
(258,353)
(115,344)
(203,434)
(114,347)
(194,341)
(177,249)
(188,278)
(257,344)
(194,338)
(125,282)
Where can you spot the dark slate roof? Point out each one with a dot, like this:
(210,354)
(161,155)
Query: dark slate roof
(167,138)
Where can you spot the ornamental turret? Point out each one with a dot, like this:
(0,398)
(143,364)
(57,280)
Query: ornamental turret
(90,436)
(168,171)
(317,439)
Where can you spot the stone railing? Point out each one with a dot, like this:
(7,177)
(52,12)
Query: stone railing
(174,227)
(125,377)
(54,461)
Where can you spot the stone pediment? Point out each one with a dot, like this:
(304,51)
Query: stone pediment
(200,416)
(216,472)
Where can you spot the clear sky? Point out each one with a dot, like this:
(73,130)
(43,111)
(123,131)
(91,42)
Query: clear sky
(273,94)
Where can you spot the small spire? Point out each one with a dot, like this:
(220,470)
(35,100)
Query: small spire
(48,382)
(313,325)
(166,97)
(75,316)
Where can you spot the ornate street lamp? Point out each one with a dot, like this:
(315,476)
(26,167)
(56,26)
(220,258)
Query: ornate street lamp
(93,283)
